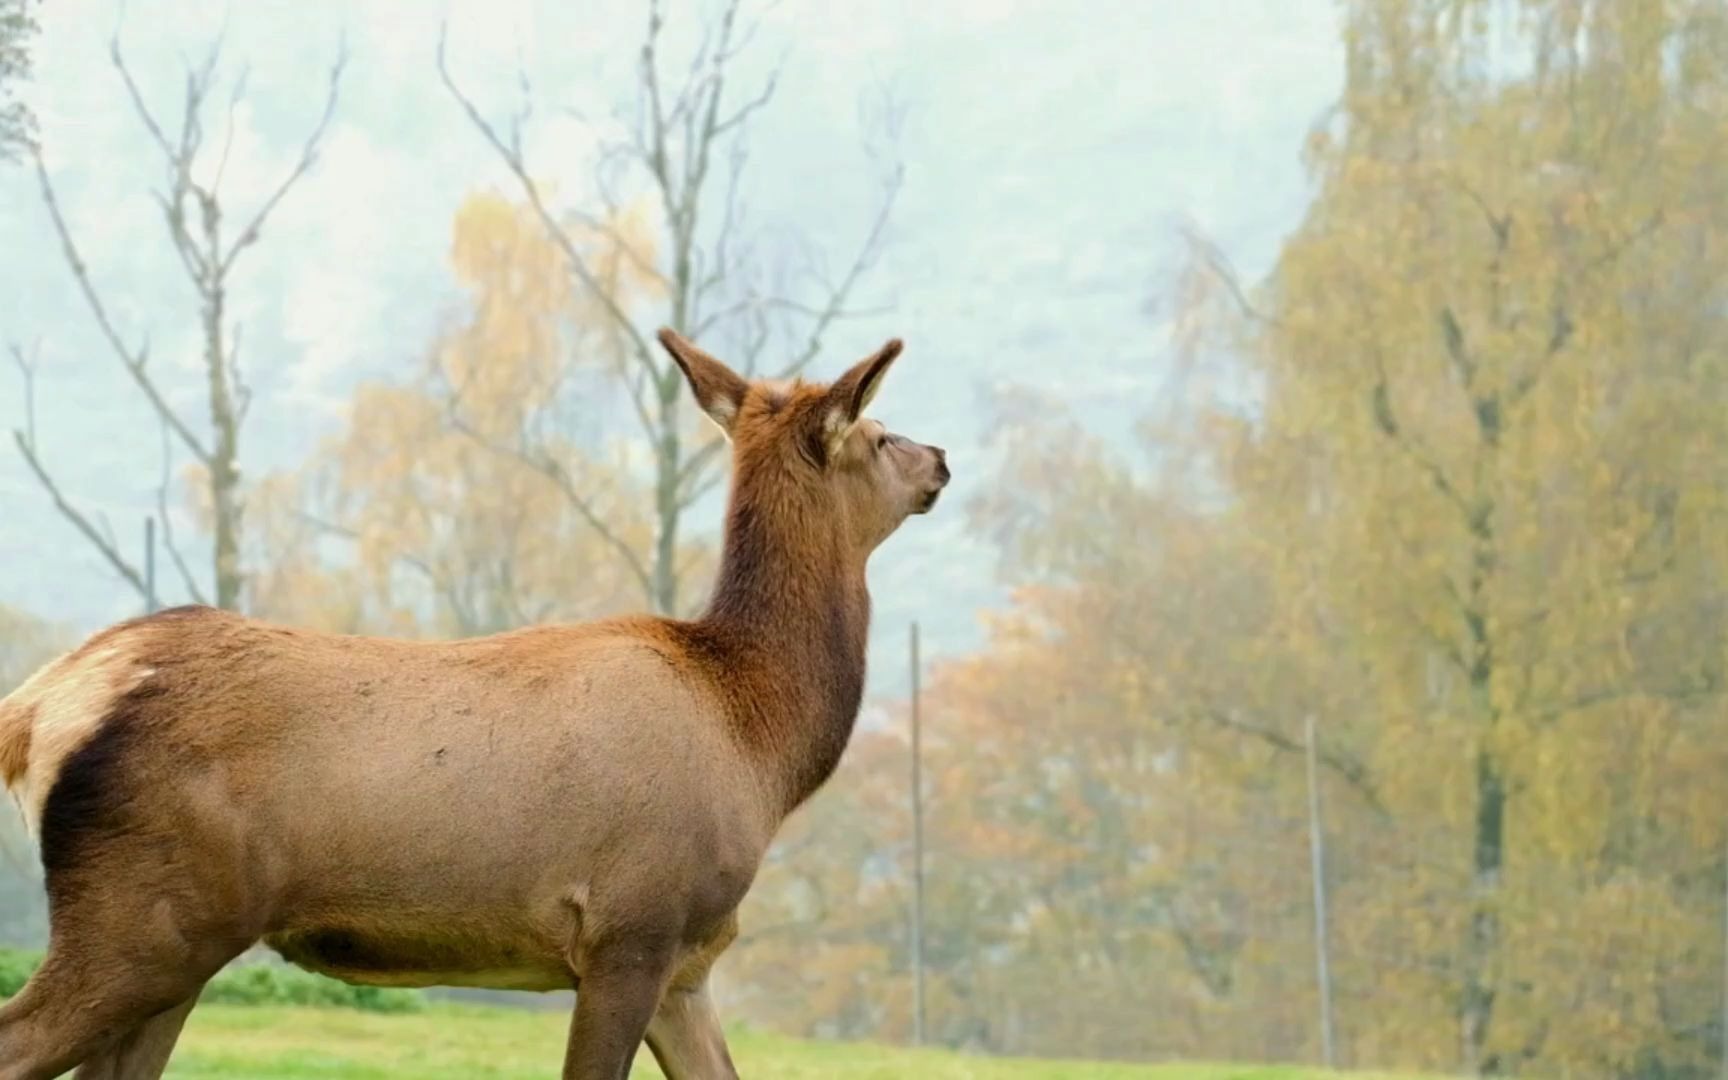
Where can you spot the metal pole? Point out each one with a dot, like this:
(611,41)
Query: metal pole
(1317,862)
(150,604)
(917,851)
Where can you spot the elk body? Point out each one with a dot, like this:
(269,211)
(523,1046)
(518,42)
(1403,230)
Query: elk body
(569,806)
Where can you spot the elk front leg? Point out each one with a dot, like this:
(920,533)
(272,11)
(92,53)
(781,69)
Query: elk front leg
(685,1033)
(620,985)
(686,1037)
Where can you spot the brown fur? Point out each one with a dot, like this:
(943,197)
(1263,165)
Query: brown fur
(15,726)
(553,807)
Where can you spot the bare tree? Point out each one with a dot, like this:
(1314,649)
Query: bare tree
(208,251)
(687,145)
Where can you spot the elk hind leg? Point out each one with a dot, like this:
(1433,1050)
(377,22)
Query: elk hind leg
(69,1012)
(143,1052)
(116,984)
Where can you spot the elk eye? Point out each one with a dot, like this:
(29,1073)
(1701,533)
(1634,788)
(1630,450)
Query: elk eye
(881,441)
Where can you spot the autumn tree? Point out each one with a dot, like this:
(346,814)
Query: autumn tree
(207,247)
(1492,362)
(686,152)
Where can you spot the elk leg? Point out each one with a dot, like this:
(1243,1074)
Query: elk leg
(620,985)
(121,961)
(75,1008)
(686,1037)
(142,1053)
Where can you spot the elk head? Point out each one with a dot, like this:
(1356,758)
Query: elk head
(804,448)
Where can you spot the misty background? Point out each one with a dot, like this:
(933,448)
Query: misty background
(1049,162)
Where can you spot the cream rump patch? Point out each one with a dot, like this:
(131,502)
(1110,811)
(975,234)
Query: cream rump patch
(64,704)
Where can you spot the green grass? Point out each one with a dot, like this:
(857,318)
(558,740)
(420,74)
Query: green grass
(449,1042)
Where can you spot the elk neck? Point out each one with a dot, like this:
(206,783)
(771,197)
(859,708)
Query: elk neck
(790,618)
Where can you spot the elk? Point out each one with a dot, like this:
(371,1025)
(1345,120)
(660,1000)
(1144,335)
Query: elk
(553,807)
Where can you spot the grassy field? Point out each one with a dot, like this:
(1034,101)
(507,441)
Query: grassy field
(447,1043)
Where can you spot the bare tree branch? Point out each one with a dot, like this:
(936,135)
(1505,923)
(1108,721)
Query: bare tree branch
(1705,688)
(636,386)
(1619,247)
(712,88)
(1500,224)
(1456,350)
(148,118)
(605,229)
(234,98)
(445,586)
(698,490)
(349,533)
(133,362)
(27,372)
(866,257)
(308,157)
(1380,403)
(236,377)
(700,473)
(511,153)
(1436,638)
(1345,765)
(825,315)
(561,479)
(24,440)
(742,115)
(1217,264)
(755,341)
(1561,326)
(694,463)
(731,218)
(798,307)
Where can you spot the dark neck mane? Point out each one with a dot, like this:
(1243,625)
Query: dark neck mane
(788,624)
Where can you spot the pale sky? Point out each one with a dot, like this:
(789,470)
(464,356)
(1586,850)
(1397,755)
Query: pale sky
(1051,148)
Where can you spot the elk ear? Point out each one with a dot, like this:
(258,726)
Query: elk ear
(851,395)
(719,390)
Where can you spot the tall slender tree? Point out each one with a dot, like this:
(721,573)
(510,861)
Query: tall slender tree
(1493,359)
(208,248)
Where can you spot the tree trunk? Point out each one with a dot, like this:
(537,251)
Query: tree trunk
(1488,833)
(1482,939)
(668,464)
(224,454)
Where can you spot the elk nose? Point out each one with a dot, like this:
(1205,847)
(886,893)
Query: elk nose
(942,472)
